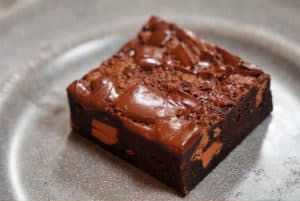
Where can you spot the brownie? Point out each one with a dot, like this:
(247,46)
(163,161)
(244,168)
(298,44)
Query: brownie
(170,103)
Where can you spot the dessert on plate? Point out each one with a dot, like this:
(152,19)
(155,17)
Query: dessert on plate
(170,103)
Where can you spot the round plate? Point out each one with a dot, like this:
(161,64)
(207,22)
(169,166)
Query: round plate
(45,161)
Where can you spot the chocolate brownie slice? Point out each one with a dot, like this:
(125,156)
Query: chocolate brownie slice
(170,103)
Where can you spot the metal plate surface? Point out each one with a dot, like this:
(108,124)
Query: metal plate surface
(41,160)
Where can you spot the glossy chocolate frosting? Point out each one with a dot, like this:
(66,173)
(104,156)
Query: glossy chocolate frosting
(167,85)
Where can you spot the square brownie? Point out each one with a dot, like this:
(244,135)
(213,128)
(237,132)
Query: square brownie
(170,103)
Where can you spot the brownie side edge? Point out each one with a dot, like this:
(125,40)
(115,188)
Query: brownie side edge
(147,155)
(239,123)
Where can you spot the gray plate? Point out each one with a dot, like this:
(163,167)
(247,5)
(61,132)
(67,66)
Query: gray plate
(42,160)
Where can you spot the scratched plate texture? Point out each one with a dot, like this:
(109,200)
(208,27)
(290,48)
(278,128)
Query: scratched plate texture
(44,45)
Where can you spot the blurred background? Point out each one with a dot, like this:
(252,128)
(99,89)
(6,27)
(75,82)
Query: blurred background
(29,28)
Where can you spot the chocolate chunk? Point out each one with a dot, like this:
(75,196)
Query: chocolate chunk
(159,37)
(184,55)
(149,57)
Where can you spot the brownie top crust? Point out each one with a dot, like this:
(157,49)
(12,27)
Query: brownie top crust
(167,85)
